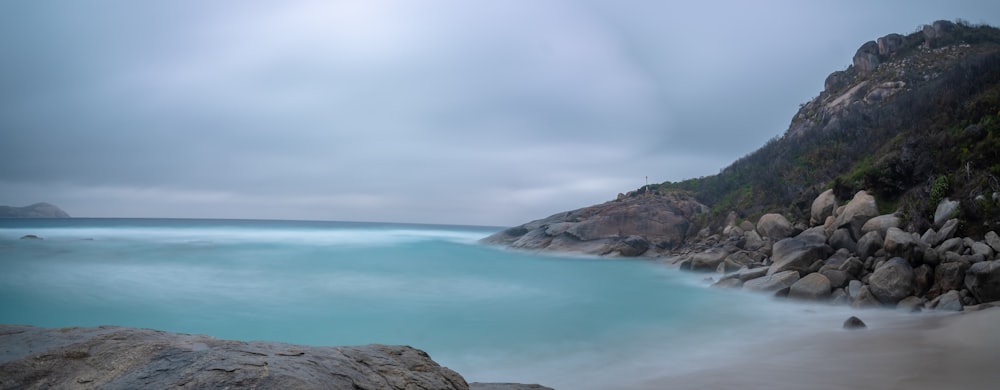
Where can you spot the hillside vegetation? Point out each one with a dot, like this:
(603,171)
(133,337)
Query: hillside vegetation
(915,119)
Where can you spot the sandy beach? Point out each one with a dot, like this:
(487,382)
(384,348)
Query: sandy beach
(959,351)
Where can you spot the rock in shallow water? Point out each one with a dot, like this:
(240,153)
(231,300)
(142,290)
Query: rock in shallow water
(854,323)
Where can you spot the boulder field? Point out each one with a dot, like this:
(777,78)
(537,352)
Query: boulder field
(854,256)
(847,254)
(113,357)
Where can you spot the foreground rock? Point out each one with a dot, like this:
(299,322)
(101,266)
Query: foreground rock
(629,226)
(111,357)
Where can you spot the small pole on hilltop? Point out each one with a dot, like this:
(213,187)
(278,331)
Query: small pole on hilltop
(647,185)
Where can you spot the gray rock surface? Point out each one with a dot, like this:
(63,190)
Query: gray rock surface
(880,224)
(621,227)
(950,300)
(836,277)
(993,240)
(983,280)
(869,243)
(866,58)
(772,283)
(854,323)
(822,207)
(111,357)
(865,298)
(898,242)
(774,226)
(910,304)
(797,254)
(841,239)
(814,286)
(948,230)
(708,260)
(948,276)
(857,212)
(945,211)
(892,282)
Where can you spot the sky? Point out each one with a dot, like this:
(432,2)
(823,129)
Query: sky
(438,111)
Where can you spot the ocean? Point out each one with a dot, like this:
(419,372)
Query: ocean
(492,314)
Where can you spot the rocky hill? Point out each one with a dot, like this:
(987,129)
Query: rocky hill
(883,191)
(37,210)
(915,121)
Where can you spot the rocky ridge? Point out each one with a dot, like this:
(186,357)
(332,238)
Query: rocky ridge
(112,357)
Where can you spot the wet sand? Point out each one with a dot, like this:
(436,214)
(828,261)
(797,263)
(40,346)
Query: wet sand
(959,351)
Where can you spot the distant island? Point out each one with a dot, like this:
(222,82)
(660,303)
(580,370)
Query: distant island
(37,210)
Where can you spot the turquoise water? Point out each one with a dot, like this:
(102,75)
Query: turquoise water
(491,314)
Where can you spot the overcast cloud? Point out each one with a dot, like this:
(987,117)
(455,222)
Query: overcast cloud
(468,112)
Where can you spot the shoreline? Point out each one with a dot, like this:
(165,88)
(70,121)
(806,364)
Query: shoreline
(955,350)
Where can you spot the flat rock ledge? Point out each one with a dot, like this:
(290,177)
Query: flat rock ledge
(643,223)
(114,357)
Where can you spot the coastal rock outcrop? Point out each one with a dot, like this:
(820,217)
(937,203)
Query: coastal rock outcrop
(113,357)
(630,226)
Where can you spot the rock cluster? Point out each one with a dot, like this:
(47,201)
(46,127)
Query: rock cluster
(638,223)
(854,256)
(127,358)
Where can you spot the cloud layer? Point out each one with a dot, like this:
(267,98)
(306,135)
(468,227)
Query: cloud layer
(413,111)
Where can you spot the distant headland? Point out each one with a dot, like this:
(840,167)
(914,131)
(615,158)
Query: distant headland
(37,210)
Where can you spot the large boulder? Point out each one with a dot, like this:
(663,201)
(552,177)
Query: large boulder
(864,298)
(772,283)
(841,239)
(983,280)
(774,226)
(947,230)
(814,286)
(797,253)
(881,224)
(708,260)
(869,243)
(892,281)
(993,240)
(822,207)
(836,277)
(857,212)
(951,301)
(945,210)
(890,44)
(898,242)
(981,249)
(110,357)
(866,58)
(626,227)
